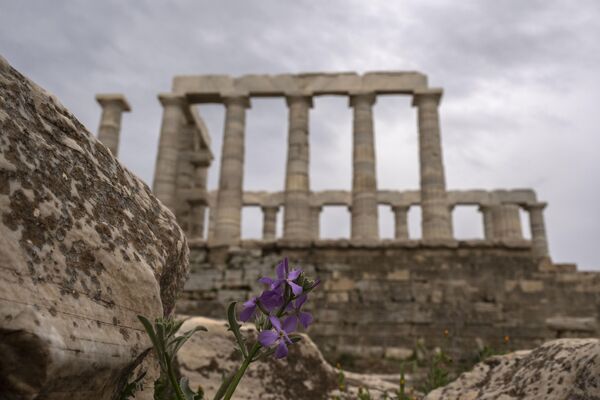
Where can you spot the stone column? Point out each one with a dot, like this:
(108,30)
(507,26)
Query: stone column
(269,222)
(113,106)
(231,177)
(436,217)
(488,222)
(364,178)
(401,222)
(538,229)
(315,222)
(506,221)
(296,223)
(198,207)
(165,175)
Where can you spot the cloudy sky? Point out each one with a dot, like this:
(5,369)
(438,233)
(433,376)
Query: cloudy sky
(520,107)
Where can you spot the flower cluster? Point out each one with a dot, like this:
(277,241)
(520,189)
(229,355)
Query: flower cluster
(277,312)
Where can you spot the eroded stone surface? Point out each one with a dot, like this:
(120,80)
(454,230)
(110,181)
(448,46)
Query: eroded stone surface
(558,370)
(303,375)
(84,248)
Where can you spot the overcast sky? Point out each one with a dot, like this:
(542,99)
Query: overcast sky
(521,79)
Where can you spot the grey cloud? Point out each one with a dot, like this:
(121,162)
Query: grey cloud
(520,80)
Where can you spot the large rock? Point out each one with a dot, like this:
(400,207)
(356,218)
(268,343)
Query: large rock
(558,370)
(304,374)
(84,248)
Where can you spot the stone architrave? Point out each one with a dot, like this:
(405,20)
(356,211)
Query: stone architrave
(229,196)
(296,222)
(113,106)
(436,216)
(506,221)
(364,177)
(165,176)
(538,229)
(401,222)
(269,222)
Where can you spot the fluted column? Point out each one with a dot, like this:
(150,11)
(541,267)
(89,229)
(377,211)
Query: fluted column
(401,222)
(165,175)
(488,222)
(198,205)
(436,217)
(364,177)
(113,106)
(506,221)
(231,177)
(269,222)
(296,223)
(315,222)
(538,229)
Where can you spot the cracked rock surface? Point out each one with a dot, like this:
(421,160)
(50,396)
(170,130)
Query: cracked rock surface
(84,248)
(558,370)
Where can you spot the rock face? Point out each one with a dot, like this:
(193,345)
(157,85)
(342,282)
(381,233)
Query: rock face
(558,370)
(303,375)
(84,248)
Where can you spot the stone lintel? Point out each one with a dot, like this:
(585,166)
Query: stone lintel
(104,99)
(210,88)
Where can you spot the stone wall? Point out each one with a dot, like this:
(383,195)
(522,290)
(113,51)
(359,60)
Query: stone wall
(379,300)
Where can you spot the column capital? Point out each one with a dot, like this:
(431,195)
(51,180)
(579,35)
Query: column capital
(356,97)
(536,206)
(270,207)
(400,207)
(299,97)
(106,99)
(233,98)
(172,99)
(421,96)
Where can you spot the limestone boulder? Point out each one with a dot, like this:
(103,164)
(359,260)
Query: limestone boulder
(304,374)
(84,248)
(558,370)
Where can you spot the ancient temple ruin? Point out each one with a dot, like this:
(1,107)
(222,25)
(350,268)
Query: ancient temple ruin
(399,290)
(184,156)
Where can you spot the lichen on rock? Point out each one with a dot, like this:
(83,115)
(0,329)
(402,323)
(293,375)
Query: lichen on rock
(84,248)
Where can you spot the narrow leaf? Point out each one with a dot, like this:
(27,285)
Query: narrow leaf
(224,386)
(235,328)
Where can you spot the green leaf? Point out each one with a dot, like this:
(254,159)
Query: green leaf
(235,328)
(189,394)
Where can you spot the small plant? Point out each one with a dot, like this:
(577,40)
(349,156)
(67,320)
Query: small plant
(277,313)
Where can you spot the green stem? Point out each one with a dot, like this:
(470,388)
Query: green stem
(178,393)
(240,373)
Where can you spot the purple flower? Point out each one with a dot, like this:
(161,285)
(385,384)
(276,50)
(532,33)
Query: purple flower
(284,276)
(296,315)
(279,336)
(268,300)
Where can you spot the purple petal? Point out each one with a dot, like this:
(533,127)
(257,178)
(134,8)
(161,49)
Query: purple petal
(282,350)
(282,269)
(294,274)
(300,301)
(305,319)
(250,303)
(247,312)
(290,324)
(271,299)
(275,322)
(266,280)
(296,289)
(267,338)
